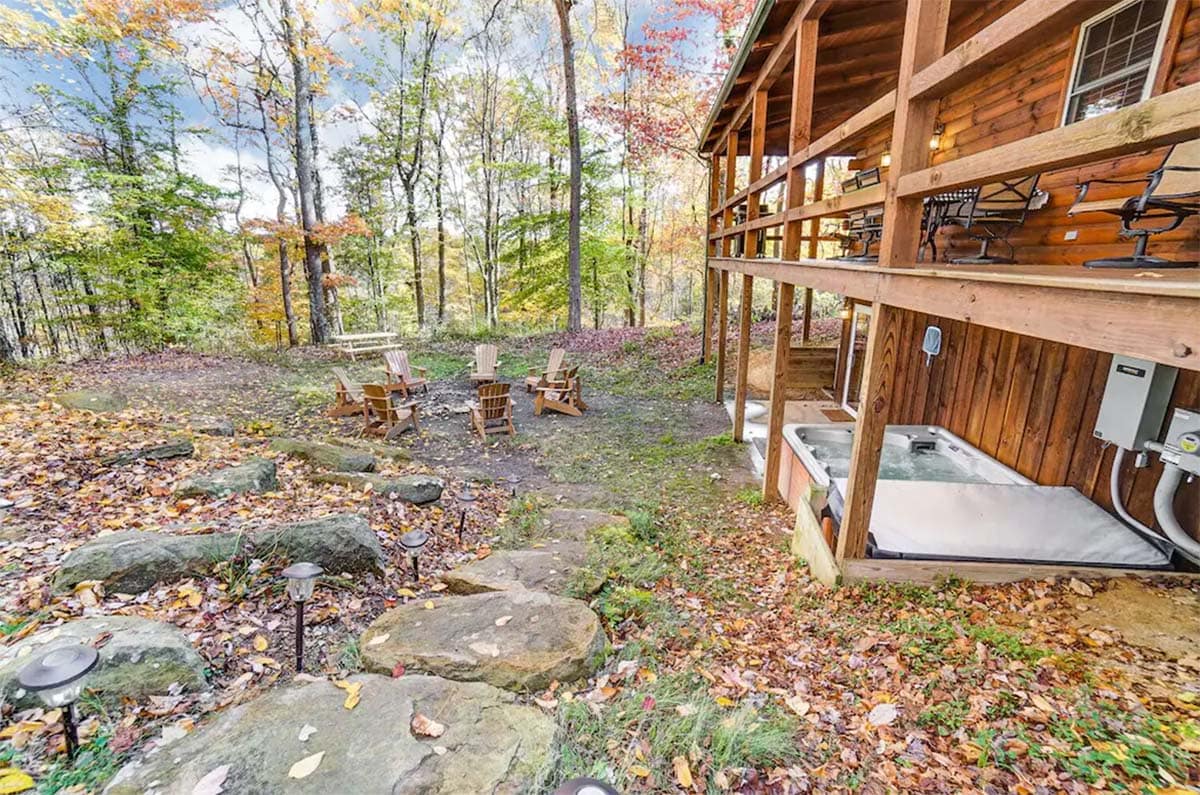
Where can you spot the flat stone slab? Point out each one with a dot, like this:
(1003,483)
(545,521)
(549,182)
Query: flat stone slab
(417,489)
(558,568)
(138,657)
(326,456)
(175,448)
(256,476)
(518,639)
(92,400)
(490,743)
(133,561)
(577,524)
(213,426)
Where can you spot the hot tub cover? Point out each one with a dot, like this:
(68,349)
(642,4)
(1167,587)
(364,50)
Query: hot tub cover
(1000,522)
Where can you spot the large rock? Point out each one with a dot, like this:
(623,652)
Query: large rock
(212,426)
(132,561)
(557,568)
(490,744)
(139,658)
(326,456)
(176,448)
(337,543)
(256,475)
(417,489)
(92,400)
(520,640)
(577,524)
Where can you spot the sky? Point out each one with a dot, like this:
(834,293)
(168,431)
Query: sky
(211,156)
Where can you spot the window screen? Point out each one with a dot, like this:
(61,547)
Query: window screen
(1115,59)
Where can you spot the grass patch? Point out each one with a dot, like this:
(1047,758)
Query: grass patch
(750,496)
(675,717)
(945,718)
(519,527)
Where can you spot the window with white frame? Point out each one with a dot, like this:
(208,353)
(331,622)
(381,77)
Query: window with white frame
(1114,65)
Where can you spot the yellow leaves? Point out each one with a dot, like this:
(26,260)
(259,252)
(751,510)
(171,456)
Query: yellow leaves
(190,596)
(725,701)
(89,592)
(353,689)
(407,593)
(261,643)
(428,604)
(14,780)
(1043,704)
(641,771)
(683,773)
(797,705)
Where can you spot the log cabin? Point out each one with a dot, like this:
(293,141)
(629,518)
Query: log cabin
(1034,355)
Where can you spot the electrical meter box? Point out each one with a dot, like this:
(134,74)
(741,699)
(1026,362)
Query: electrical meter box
(1182,445)
(1135,402)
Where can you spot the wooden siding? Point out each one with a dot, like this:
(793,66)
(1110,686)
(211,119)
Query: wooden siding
(1032,403)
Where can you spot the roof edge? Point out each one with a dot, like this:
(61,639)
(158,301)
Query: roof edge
(757,20)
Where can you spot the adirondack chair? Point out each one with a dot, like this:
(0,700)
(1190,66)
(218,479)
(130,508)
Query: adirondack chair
(492,410)
(348,395)
(382,417)
(400,376)
(562,393)
(485,364)
(553,369)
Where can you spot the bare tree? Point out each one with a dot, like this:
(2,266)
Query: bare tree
(574,282)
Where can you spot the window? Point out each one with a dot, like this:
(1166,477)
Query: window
(1114,65)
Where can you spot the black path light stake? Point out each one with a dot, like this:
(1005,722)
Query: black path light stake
(413,542)
(584,786)
(301,580)
(58,677)
(466,499)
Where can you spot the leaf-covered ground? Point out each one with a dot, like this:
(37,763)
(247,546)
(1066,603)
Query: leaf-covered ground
(731,669)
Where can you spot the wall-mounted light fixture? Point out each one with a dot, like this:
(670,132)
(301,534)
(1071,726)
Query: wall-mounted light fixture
(935,140)
(885,160)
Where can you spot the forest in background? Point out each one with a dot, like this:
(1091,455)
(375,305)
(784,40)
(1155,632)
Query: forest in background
(225,174)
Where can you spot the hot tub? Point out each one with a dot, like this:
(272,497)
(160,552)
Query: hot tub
(939,497)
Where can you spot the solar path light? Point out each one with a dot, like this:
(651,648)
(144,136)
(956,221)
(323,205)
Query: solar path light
(301,580)
(466,500)
(58,677)
(413,542)
(584,786)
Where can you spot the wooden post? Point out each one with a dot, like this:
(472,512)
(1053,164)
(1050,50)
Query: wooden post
(814,240)
(758,141)
(783,345)
(722,330)
(806,323)
(714,202)
(925,27)
(839,374)
(731,147)
(743,356)
(804,74)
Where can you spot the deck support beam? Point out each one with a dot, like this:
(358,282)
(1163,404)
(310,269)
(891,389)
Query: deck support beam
(783,345)
(722,331)
(925,27)
(745,315)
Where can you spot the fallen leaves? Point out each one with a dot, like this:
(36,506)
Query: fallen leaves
(683,773)
(882,714)
(353,691)
(213,782)
(13,780)
(423,726)
(306,766)
(306,731)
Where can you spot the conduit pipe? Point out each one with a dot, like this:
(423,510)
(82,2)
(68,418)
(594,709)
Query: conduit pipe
(1114,484)
(1164,511)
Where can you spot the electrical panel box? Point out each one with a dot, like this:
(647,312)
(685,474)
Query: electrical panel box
(1135,402)
(1182,445)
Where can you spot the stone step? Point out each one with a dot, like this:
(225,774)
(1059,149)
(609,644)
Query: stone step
(489,743)
(518,639)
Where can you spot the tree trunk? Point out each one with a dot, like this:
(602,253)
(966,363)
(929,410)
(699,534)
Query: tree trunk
(440,209)
(305,164)
(574,281)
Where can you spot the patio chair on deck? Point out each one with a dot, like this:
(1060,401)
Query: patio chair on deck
(348,395)
(554,366)
(1172,192)
(384,418)
(995,210)
(864,227)
(484,371)
(400,375)
(491,412)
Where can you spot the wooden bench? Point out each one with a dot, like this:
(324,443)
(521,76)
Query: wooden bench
(373,342)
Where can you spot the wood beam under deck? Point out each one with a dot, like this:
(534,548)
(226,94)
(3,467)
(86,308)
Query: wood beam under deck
(1116,312)
(926,25)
